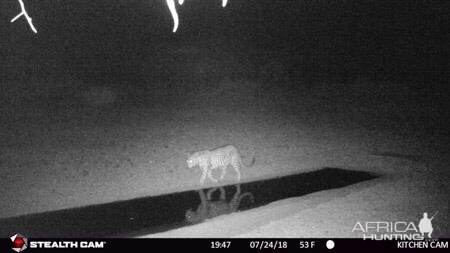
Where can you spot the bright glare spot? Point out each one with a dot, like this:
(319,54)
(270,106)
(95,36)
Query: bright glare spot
(330,244)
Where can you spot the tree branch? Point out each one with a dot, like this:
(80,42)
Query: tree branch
(170,4)
(24,13)
(173,11)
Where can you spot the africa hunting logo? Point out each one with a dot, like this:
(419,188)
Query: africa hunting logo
(399,230)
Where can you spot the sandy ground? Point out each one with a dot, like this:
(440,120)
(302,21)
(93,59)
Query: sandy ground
(67,160)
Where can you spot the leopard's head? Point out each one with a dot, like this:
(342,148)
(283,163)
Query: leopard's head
(190,163)
(191,160)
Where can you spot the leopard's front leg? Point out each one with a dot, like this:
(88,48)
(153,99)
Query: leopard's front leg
(203,178)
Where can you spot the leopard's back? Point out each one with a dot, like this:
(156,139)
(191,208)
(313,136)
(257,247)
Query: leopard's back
(218,158)
(224,156)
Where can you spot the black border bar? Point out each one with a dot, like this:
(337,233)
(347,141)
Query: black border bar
(229,245)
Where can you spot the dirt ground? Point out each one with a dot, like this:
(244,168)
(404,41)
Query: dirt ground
(70,158)
(400,195)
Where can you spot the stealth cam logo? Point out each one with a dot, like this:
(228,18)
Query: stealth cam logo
(19,242)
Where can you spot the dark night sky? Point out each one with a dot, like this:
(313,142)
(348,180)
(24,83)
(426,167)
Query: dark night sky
(115,40)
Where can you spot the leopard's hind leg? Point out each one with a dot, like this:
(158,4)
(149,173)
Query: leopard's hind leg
(203,178)
(236,168)
(211,177)
(224,168)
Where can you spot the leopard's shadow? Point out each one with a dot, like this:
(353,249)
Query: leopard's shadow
(210,208)
(154,214)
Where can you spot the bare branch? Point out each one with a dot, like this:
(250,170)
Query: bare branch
(173,11)
(170,4)
(25,14)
